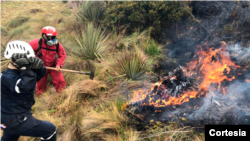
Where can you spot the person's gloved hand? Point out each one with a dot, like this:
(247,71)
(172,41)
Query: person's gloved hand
(16,56)
(20,59)
(36,63)
(25,63)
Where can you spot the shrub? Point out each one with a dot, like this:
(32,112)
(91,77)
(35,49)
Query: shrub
(144,42)
(143,14)
(90,11)
(132,63)
(91,42)
(65,1)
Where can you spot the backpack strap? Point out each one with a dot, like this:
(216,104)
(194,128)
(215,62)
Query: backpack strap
(40,45)
(57,47)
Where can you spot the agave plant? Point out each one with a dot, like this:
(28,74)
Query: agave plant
(132,63)
(90,11)
(91,42)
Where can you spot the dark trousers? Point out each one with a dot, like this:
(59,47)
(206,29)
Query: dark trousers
(26,125)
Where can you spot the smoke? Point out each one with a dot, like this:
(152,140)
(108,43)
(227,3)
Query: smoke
(239,53)
(232,108)
(214,22)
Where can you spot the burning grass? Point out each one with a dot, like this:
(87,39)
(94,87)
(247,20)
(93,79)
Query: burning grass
(211,67)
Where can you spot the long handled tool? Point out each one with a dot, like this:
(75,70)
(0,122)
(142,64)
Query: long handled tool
(91,73)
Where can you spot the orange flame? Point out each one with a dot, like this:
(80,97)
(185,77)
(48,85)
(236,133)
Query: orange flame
(247,80)
(212,67)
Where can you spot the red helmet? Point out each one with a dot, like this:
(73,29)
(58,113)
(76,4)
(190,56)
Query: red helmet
(49,31)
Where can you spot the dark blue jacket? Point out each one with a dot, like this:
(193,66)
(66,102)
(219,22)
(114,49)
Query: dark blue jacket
(17,90)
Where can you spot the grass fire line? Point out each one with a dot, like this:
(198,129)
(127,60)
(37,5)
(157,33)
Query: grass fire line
(211,67)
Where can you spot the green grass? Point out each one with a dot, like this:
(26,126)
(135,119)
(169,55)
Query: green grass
(4,32)
(152,48)
(18,21)
(16,32)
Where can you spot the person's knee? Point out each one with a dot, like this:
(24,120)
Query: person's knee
(59,81)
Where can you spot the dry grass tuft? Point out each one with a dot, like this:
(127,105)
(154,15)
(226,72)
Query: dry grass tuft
(76,63)
(92,87)
(129,135)
(68,99)
(66,135)
(99,123)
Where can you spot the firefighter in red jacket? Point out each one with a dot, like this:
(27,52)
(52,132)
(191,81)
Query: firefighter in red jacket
(47,48)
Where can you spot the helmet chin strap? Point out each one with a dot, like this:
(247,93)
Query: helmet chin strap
(15,66)
(45,37)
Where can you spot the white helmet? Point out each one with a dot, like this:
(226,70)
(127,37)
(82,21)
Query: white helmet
(18,47)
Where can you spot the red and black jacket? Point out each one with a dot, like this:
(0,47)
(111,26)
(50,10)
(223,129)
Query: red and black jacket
(49,53)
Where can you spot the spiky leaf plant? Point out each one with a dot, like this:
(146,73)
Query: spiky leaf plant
(90,42)
(90,11)
(132,63)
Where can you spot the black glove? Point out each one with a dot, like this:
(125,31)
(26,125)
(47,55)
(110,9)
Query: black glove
(23,64)
(20,59)
(36,63)
(16,56)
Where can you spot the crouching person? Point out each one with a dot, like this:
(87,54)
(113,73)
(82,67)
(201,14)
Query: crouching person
(18,83)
